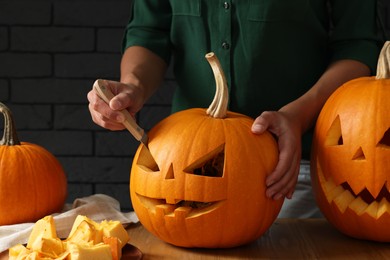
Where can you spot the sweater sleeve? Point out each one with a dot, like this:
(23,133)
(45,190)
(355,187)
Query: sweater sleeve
(354,35)
(149,27)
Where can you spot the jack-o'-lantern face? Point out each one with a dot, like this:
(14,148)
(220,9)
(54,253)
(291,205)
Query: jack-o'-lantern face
(173,176)
(203,182)
(351,159)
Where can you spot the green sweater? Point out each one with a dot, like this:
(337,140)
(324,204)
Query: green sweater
(272,51)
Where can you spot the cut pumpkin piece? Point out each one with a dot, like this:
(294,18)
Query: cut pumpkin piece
(114,243)
(114,229)
(17,252)
(99,251)
(85,232)
(50,247)
(43,228)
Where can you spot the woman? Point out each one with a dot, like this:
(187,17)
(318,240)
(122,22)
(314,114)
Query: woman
(282,60)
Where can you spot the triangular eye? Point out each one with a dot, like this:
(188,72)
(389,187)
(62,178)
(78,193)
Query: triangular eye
(146,161)
(385,141)
(334,135)
(359,155)
(210,165)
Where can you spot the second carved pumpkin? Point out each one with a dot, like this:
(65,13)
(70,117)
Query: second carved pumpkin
(351,156)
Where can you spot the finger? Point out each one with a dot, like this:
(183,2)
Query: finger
(286,157)
(287,168)
(290,193)
(284,187)
(262,122)
(106,118)
(103,122)
(124,101)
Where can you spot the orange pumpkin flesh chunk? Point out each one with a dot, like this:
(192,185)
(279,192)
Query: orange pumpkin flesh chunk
(87,240)
(43,228)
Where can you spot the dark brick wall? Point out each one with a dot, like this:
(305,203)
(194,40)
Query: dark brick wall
(51,51)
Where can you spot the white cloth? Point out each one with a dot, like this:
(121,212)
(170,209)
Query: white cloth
(97,207)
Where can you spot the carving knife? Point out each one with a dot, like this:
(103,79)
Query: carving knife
(106,95)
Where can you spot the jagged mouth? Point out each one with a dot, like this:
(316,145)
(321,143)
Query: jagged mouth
(363,202)
(184,209)
(366,195)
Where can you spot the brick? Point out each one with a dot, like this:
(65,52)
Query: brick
(149,116)
(25,65)
(3,38)
(4,90)
(120,192)
(48,91)
(61,143)
(97,169)
(116,143)
(25,12)
(109,40)
(31,116)
(87,65)
(92,13)
(52,39)
(79,190)
(75,117)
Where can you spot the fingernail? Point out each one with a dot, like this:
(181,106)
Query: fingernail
(257,128)
(269,183)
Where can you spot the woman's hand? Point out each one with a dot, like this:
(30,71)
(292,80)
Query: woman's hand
(281,182)
(292,120)
(126,96)
(142,72)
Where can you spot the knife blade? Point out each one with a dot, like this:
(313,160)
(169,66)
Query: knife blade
(131,125)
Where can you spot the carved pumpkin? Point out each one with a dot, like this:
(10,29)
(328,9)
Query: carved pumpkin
(203,182)
(32,181)
(351,156)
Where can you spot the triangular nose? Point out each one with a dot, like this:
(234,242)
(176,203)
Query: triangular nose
(170,174)
(359,155)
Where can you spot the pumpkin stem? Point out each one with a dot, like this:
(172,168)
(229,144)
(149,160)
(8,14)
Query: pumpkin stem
(10,136)
(218,107)
(383,68)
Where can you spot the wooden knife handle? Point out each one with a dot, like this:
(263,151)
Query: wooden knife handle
(105,93)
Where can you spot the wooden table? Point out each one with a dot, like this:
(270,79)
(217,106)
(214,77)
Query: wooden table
(286,239)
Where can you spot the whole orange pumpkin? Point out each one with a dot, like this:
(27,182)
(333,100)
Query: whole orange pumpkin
(202,184)
(351,156)
(32,181)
